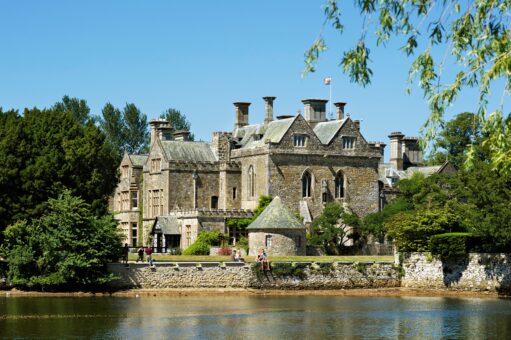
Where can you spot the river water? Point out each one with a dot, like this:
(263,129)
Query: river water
(255,317)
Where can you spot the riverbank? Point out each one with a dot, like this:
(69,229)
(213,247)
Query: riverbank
(173,292)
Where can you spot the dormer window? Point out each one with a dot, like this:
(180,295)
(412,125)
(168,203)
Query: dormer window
(300,140)
(348,142)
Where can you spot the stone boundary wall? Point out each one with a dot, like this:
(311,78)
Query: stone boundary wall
(339,275)
(475,272)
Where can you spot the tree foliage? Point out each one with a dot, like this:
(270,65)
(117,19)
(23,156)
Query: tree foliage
(66,248)
(177,120)
(126,130)
(463,130)
(77,107)
(470,38)
(43,152)
(333,228)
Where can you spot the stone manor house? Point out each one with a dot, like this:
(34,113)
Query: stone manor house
(165,198)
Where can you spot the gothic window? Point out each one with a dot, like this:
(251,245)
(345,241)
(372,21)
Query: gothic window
(300,140)
(251,181)
(306,184)
(348,142)
(339,185)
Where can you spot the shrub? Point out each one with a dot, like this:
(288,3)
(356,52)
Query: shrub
(289,269)
(451,245)
(225,251)
(204,241)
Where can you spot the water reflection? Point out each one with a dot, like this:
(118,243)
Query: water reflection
(255,317)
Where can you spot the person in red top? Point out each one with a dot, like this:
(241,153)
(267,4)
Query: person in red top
(149,252)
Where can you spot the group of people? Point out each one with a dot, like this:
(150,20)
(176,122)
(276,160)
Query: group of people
(148,251)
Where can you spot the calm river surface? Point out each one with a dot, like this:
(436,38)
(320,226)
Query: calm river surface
(255,317)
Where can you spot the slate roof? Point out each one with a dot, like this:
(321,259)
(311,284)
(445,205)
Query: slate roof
(271,132)
(138,160)
(326,131)
(188,151)
(276,216)
(167,225)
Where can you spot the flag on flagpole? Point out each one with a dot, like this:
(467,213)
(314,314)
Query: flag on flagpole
(327,81)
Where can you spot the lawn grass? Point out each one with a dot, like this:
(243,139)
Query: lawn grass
(205,258)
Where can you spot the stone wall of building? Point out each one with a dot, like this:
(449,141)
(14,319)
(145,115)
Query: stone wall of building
(283,242)
(241,275)
(259,164)
(361,188)
(476,272)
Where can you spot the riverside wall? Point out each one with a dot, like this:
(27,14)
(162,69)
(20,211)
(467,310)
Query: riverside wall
(240,275)
(474,272)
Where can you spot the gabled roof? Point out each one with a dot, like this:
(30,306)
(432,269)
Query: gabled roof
(326,131)
(138,160)
(188,151)
(276,216)
(167,225)
(271,132)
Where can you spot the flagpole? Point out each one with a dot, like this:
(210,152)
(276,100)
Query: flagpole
(330,101)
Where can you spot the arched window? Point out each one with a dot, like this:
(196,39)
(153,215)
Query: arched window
(339,185)
(306,184)
(251,182)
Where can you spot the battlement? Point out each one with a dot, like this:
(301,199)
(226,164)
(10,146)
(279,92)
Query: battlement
(204,212)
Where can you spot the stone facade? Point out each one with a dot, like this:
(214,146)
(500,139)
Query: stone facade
(476,272)
(307,161)
(283,242)
(241,275)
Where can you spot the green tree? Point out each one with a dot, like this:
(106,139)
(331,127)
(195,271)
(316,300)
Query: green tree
(455,138)
(67,248)
(112,125)
(476,42)
(411,231)
(333,228)
(45,152)
(136,133)
(78,107)
(178,120)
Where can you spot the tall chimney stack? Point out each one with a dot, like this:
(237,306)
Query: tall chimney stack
(339,110)
(160,129)
(314,111)
(241,118)
(268,105)
(396,150)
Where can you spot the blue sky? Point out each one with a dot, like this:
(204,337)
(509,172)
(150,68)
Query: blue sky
(198,57)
